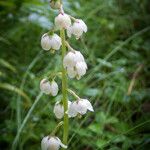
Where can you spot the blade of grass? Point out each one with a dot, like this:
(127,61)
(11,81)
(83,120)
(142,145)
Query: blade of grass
(12,88)
(16,139)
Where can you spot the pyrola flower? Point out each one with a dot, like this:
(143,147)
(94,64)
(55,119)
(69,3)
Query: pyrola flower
(75,64)
(79,107)
(62,21)
(45,86)
(77,28)
(48,87)
(59,109)
(54,88)
(51,42)
(51,143)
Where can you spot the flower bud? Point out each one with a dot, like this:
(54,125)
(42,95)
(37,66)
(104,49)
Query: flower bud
(45,86)
(54,88)
(77,29)
(62,21)
(51,42)
(55,4)
(51,143)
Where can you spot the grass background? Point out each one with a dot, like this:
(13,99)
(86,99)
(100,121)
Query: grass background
(117,50)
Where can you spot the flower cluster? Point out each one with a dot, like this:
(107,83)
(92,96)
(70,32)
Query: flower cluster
(74,66)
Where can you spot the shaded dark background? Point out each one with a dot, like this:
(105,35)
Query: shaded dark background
(117,51)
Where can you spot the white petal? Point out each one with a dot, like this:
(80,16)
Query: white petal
(59,110)
(54,88)
(44,143)
(81,107)
(72,110)
(71,72)
(69,60)
(53,143)
(84,26)
(56,42)
(81,68)
(45,86)
(88,104)
(61,144)
(78,57)
(77,30)
(62,21)
(45,42)
(69,31)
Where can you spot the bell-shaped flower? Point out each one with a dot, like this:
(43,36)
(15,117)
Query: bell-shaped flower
(79,107)
(49,42)
(77,29)
(45,86)
(59,109)
(54,88)
(75,64)
(48,87)
(81,69)
(62,21)
(51,143)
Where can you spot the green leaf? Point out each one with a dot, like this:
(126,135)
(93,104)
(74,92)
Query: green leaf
(16,90)
(7,65)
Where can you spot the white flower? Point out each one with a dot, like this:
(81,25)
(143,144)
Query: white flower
(77,29)
(62,21)
(48,87)
(51,143)
(71,72)
(45,86)
(75,64)
(79,107)
(81,69)
(51,42)
(59,110)
(54,88)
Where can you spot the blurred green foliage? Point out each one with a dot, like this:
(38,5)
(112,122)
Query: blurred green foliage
(117,50)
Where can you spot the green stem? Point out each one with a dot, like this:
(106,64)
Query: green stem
(56,129)
(64,90)
(73,93)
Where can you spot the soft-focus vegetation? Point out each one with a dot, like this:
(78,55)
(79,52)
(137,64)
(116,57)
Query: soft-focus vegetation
(117,53)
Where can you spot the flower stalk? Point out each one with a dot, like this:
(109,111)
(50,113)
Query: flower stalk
(64,89)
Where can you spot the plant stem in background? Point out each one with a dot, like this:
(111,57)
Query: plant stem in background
(64,90)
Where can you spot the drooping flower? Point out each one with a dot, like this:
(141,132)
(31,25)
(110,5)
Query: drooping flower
(45,86)
(59,109)
(49,42)
(75,64)
(62,21)
(54,88)
(51,143)
(79,107)
(48,87)
(77,29)
(81,69)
